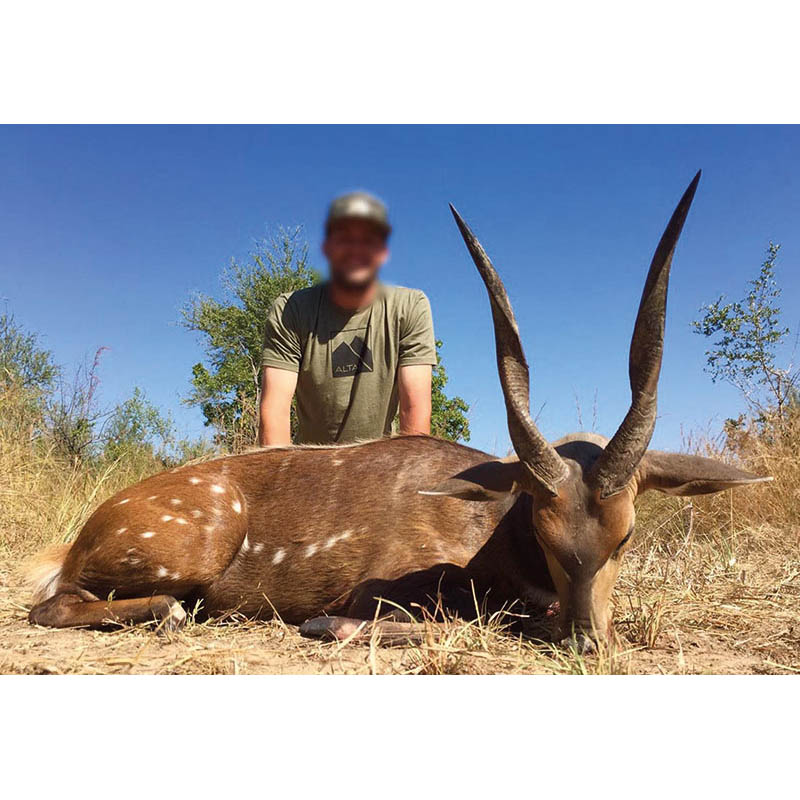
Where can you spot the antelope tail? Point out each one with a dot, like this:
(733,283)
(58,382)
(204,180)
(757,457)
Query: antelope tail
(43,571)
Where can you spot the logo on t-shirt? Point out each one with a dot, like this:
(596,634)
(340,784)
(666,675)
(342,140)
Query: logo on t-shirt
(350,359)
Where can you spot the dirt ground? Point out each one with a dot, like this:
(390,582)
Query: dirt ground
(687,640)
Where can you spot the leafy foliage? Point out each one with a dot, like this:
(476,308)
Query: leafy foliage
(27,373)
(448,414)
(134,431)
(748,333)
(63,415)
(22,361)
(227,385)
(138,433)
(136,425)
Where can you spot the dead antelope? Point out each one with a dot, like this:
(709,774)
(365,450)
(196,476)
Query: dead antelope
(316,532)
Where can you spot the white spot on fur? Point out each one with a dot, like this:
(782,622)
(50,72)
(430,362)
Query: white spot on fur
(122,530)
(195,481)
(175,501)
(175,576)
(181,521)
(280,554)
(122,502)
(208,528)
(257,548)
(337,462)
(236,506)
(310,550)
(152,497)
(217,489)
(166,518)
(197,513)
(245,544)
(162,572)
(148,534)
(336,538)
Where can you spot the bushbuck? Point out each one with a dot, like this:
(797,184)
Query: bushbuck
(326,536)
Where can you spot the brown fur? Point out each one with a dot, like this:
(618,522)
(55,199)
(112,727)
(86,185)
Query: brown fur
(319,530)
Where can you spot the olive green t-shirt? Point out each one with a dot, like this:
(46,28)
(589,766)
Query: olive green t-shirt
(347,361)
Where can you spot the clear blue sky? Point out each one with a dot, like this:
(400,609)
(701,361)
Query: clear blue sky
(105,232)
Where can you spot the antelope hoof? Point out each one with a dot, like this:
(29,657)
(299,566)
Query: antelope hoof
(332,628)
(582,644)
(175,619)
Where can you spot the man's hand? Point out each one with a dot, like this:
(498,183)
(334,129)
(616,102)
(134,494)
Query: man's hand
(414,387)
(277,391)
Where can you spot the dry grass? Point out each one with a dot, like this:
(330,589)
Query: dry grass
(44,497)
(710,586)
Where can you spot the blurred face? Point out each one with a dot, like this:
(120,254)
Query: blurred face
(356,250)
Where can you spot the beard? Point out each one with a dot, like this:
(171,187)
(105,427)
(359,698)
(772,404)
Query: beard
(356,281)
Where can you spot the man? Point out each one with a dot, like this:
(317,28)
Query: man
(352,348)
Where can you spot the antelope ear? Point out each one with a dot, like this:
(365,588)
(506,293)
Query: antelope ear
(674,473)
(491,480)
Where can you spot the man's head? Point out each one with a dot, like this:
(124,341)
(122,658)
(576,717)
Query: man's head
(356,239)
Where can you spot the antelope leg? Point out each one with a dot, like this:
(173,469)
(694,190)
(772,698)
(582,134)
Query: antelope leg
(72,609)
(342,629)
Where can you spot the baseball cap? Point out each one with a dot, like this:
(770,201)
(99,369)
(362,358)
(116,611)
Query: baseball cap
(358,205)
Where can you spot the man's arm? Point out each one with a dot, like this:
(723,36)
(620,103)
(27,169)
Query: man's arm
(416,360)
(280,363)
(414,388)
(277,391)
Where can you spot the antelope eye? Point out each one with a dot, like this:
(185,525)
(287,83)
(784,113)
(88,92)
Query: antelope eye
(623,542)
